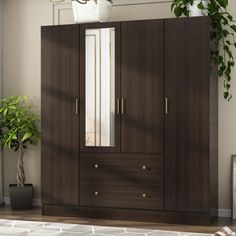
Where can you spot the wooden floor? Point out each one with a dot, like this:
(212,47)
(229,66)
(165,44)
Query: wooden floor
(35,215)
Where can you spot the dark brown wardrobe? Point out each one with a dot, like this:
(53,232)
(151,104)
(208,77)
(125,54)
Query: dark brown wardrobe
(129,121)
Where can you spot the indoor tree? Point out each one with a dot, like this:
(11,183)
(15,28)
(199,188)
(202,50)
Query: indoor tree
(19,127)
(223,34)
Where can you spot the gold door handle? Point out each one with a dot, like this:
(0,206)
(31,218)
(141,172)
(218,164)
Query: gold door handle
(118,106)
(166,106)
(122,106)
(76,106)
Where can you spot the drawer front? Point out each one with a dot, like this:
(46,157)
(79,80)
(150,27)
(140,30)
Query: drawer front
(121,180)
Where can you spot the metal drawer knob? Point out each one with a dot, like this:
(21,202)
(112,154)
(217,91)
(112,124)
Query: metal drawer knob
(96,193)
(146,168)
(96,166)
(144,195)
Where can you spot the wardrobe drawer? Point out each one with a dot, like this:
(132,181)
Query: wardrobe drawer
(108,194)
(113,166)
(121,180)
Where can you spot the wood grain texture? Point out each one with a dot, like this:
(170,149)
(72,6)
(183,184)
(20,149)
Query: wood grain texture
(119,214)
(142,86)
(121,181)
(182,184)
(60,124)
(83,28)
(187,146)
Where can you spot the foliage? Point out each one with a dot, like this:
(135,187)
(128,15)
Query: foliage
(223,34)
(19,126)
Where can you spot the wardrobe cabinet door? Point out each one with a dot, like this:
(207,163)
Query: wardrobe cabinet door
(142,87)
(60,121)
(187,60)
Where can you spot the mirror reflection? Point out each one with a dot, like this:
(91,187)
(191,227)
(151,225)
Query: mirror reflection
(100,87)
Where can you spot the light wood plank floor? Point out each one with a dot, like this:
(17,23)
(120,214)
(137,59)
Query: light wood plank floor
(35,215)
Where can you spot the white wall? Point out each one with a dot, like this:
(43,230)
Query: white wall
(1,23)
(21,64)
(22,21)
(1,42)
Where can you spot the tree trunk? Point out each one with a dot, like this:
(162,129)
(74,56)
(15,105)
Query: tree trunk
(20,177)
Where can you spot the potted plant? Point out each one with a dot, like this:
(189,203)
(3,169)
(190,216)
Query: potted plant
(91,10)
(223,33)
(19,127)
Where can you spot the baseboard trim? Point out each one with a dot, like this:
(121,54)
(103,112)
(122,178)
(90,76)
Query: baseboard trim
(35,202)
(225,213)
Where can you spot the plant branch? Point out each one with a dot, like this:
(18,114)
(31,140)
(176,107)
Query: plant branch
(20,176)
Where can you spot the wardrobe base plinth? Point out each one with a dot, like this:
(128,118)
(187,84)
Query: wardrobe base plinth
(128,214)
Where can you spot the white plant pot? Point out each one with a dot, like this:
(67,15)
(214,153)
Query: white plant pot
(92,11)
(195,11)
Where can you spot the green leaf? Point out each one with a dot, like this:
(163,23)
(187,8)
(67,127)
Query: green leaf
(26,136)
(185,11)
(233,27)
(201,6)
(178,11)
(177,2)
(5,111)
(230,17)
(12,107)
(225,33)
(226,94)
(172,6)
(223,3)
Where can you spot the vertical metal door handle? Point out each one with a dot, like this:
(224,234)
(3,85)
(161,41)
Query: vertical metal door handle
(118,106)
(166,106)
(76,106)
(122,106)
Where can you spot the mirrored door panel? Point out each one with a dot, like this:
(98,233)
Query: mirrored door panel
(100,87)
(100,92)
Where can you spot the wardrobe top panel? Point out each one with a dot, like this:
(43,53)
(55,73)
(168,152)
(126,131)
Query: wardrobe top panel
(103,24)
